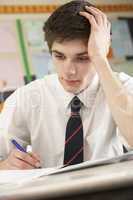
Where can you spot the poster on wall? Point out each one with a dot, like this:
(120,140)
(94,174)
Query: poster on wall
(11,71)
(40,58)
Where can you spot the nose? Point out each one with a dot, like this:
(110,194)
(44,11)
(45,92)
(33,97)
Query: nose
(70,68)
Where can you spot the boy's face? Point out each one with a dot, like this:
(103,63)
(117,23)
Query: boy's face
(73,66)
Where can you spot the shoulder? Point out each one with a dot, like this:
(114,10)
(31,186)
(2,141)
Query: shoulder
(41,83)
(33,91)
(47,82)
(37,85)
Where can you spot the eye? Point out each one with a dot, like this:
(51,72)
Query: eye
(60,57)
(83,58)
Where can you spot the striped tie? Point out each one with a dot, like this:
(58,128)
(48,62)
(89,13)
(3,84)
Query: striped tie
(73,153)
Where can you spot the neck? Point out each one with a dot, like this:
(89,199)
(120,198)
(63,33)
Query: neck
(77,93)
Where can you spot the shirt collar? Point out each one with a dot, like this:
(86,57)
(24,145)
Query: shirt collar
(65,96)
(86,96)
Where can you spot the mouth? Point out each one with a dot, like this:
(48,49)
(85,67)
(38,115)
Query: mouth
(71,82)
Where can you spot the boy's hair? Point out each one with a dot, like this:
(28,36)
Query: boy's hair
(66,24)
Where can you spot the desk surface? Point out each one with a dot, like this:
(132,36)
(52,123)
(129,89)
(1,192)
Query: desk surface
(102,178)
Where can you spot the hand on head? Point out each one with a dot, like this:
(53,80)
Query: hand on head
(100,37)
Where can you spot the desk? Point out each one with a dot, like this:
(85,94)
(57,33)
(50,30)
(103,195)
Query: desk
(108,182)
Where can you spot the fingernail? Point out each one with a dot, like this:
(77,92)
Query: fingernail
(81,12)
(38,165)
(88,7)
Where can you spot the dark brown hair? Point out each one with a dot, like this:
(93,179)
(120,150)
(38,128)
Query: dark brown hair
(65,23)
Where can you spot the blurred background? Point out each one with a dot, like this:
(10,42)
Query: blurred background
(24,54)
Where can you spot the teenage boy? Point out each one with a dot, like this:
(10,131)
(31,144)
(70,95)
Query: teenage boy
(39,114)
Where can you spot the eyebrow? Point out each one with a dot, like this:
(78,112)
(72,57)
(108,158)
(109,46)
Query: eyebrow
(55,51)
(78,54)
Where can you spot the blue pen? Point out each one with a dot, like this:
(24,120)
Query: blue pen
(18,146)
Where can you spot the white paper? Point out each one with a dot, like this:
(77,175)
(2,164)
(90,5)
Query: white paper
(20,176)
(125,157)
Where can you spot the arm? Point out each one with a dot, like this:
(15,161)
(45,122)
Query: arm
(118,98)
(13,125)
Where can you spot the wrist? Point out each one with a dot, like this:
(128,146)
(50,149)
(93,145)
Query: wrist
(100,62)
(99,59)
(102,66)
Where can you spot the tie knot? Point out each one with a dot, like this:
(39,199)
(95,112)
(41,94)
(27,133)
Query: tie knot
(75,105)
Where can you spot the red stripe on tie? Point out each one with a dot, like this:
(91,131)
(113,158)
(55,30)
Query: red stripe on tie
(74,114)
(78,152)
(73,134)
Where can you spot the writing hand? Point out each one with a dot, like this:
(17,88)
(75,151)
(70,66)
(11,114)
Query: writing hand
(20,160)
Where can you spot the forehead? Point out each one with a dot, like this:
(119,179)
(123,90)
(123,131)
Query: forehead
(73,47)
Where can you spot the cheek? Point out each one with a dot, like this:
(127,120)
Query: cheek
(84,70)
(87,73)
(58,67)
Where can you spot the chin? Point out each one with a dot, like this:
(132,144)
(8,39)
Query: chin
(72,90)
(71,87)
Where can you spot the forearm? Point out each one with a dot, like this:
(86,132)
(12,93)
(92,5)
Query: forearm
(119,100)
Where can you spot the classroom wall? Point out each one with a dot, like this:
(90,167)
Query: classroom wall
(37,2)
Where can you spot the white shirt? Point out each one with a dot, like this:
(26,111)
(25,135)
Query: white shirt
(37,114)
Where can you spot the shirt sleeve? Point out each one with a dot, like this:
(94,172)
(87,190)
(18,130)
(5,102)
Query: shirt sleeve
(127,82)
(12,123)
